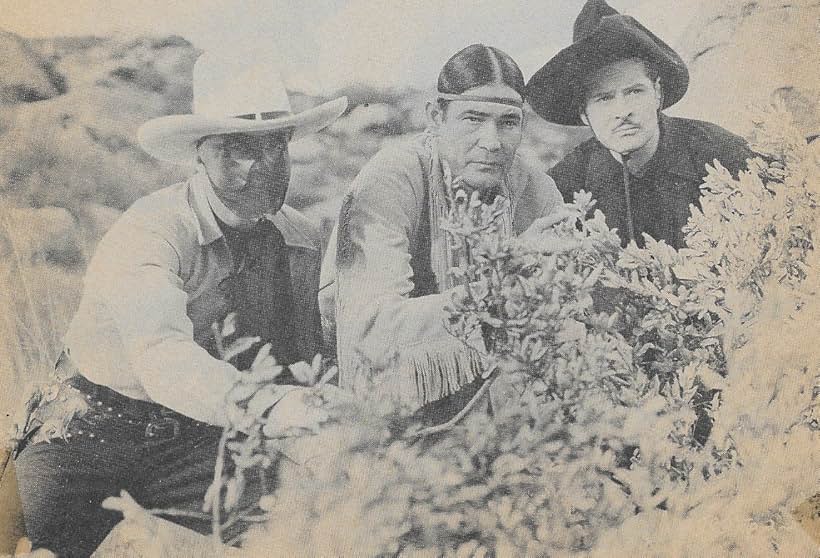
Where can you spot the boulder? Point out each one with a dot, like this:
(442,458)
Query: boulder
(743,53)
(25,75)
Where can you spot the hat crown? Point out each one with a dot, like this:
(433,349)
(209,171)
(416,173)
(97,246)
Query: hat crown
(590,18)
(227,88)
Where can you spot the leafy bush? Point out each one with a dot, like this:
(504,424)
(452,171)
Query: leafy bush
(595,447)
(593,444)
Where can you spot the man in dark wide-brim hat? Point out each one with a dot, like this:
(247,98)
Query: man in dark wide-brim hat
(642,166)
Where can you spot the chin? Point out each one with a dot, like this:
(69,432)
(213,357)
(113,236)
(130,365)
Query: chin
(629,146)
(484,181)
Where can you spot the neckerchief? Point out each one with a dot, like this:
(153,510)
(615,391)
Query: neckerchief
(260,292)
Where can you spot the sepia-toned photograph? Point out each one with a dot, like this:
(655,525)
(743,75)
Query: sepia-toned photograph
(429,279)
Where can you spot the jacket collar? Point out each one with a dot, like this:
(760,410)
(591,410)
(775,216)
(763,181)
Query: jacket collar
(672,157)
(208,230)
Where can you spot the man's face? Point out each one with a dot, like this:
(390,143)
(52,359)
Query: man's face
(250,172)
(479,139)
(622,106)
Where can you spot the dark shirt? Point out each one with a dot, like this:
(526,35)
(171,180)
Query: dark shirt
(669,183)
(260,292)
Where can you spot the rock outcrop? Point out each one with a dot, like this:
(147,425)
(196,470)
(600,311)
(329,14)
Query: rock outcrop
(743,52)
(25,75)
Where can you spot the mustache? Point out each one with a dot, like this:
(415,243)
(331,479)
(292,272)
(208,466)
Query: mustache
(625,124)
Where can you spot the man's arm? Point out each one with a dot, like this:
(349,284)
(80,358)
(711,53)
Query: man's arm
(538,197)
(388,341)
(569,174)
(137,282)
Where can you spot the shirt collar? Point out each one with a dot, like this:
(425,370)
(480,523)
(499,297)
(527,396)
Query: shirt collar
(208,230)
(672,156)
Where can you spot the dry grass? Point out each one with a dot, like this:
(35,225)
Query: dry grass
(37,301)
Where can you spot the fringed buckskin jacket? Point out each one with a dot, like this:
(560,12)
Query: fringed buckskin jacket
(385,278)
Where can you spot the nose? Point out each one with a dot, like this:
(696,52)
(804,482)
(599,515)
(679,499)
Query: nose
(488,137)
(623,107)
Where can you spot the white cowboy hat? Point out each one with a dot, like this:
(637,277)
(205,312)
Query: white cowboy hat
(232,96)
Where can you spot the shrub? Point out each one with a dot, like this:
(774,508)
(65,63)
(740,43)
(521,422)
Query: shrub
(595,447)
(598,442)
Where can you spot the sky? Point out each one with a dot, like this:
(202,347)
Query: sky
(325,44)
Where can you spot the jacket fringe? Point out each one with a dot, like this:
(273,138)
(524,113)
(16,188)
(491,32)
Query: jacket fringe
(438,375)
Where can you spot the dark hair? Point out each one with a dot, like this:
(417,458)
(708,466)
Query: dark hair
(579,102)
(478,65)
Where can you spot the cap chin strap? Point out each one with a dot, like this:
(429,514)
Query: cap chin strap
(481,99)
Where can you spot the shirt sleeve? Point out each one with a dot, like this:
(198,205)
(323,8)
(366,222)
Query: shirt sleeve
(552,198)
(538,197)
(388,341)
(137,279)
(569,174)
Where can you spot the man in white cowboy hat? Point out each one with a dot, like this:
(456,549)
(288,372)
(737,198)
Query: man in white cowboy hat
(643,167)
(142,386)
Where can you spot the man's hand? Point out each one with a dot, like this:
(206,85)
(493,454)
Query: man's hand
(301,409)
(543,225)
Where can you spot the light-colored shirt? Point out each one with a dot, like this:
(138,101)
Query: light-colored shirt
(152,292)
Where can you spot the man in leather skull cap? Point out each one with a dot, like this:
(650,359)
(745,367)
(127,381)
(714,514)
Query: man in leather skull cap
(644,168)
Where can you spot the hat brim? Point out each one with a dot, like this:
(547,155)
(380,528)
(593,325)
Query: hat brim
(174,138)
(552,91)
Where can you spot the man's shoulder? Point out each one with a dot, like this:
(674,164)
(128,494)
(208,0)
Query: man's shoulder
(394,177)
(704,131)
(526,161)
(158,223)
(402,155)
(529,171)
(164,210)
(579,156)
(707,141)
(570,172)
(165,201)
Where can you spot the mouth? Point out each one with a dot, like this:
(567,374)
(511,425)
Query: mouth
(626,129)
(487,165)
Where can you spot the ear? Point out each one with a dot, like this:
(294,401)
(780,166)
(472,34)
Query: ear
(658,93)
(435,115)
(584,118)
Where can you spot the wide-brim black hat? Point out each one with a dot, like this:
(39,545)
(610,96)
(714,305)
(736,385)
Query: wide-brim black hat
(601,35)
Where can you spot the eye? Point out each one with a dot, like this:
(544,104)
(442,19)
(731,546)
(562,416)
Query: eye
(635,90)
(511,123)
(603,98)
(472,118)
